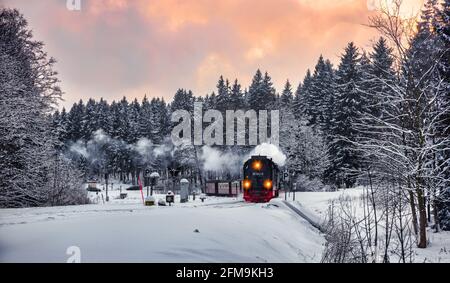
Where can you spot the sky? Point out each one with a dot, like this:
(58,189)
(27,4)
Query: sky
(116,48)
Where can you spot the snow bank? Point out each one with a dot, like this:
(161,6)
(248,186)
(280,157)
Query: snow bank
(234,232)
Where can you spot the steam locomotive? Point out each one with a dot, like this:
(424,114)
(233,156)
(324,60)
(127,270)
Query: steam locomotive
(261,179)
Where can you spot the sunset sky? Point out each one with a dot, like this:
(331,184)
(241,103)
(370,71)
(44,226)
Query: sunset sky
(113,48)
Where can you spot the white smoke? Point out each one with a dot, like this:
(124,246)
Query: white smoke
(163,150)
(143,146)
(215,160)
(79,148)
(95,147)
(271,151)
(100,137)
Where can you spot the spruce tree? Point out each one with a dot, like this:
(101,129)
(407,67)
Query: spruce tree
(320,94)
(261,93)
(307,98)
(348,104)
(237,100)
(76,121)
(287,97)
(223,95)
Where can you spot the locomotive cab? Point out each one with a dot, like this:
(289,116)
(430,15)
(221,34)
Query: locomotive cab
(260,181)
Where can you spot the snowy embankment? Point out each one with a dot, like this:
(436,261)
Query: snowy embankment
(219,230)
(315,205)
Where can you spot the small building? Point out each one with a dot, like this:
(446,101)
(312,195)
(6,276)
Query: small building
(92,186)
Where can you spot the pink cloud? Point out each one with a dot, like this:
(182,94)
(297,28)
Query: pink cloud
(116,47)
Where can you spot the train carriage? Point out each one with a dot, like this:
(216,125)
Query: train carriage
(222,188)
(261,179)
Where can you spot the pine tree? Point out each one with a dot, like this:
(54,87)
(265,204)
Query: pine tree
(306,97)
(381,74)
(320,94)
(328,99)
(223,95)
(237,100)
(90,120)
(298,103)
(62,127)
(104,116)
(286,98)
(210,101)
(183,100)
(348,104)
(121,122)
(164,121)
(145,125)
(76,121)
(255,91)
(269,94)
(158,120)
(134,116)
(261,94)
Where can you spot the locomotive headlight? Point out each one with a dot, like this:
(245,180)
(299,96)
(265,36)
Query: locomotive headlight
(257,165)
(268,184)
(247,184)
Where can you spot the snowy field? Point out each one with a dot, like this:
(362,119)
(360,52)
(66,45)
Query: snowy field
(217,230)
(229,230)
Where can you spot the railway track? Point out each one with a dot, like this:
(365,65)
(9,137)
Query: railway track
(286,203)
(304,216)
(224,203)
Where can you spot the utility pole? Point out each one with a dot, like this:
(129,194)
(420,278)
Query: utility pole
(293,187)
(146,177)
(106,183)
(286,182)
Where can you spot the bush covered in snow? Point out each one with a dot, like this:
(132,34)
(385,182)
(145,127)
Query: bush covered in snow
(444,211)
(306,184)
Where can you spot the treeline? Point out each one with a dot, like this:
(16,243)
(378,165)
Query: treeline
(138,132)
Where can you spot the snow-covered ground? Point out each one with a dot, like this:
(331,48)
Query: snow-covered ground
(216,230)
(315,204)
(229,230)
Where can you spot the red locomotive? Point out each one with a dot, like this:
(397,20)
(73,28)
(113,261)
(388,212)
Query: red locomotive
(261,182)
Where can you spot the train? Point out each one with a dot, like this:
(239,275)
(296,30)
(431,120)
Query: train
(261,179)
(223,188)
